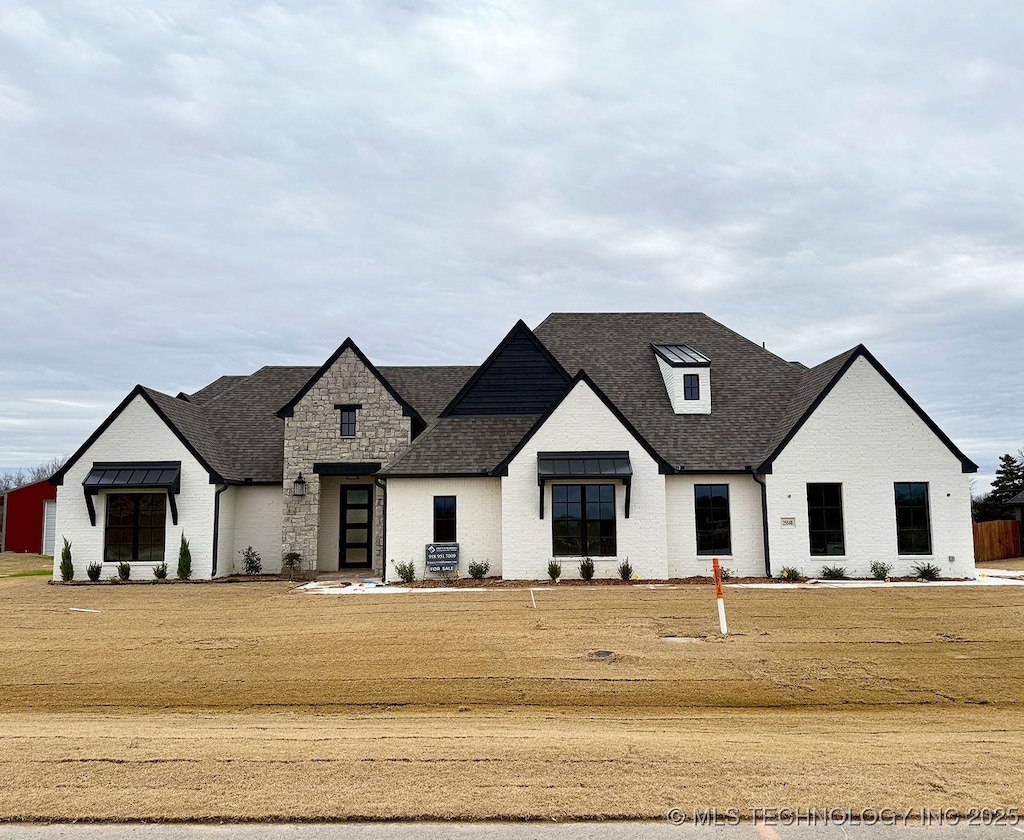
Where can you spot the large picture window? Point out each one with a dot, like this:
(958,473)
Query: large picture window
(825,519)
(135,527)
(913,533)
(583,520)
(714,533)
(444,519)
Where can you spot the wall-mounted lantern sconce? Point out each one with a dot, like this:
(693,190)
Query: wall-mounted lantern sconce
(299,486)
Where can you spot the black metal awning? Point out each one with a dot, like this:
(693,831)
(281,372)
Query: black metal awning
(346,468)
(559,466)
(133,475)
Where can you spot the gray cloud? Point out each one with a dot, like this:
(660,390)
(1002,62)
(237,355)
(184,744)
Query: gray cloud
(213,186)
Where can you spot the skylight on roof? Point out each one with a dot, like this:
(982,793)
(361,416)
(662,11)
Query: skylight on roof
(679,355)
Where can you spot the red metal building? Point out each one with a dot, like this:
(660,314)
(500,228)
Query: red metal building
(29,517)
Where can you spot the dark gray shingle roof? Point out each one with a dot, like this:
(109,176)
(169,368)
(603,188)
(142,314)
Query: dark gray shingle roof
(428,389)
(751,388)
(463,445)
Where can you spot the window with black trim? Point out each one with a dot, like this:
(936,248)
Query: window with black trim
(711,506)
(825,519)
(135,528)
(691,386)
(583,520)
(444,519)
(348,422)
(913,532)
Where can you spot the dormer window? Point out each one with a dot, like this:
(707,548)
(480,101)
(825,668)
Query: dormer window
(687,375)
(348,419)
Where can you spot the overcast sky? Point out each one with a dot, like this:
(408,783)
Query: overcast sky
(204,187)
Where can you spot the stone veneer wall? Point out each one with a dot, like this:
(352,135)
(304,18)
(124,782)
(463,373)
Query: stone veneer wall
(313,434)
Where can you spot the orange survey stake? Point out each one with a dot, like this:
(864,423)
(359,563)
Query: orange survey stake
(718,596)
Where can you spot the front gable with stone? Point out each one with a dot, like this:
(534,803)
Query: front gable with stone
(339,429)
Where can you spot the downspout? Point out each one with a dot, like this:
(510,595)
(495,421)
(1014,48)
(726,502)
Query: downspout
(764,522)
(216,526)
(382,483)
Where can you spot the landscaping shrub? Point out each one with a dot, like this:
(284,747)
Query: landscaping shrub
(406,571)
(726,573)
(291,561)
(67,569)
(93,570)
(477,570)
(880,570)
(184,560)
(555,571)
(625,569)
(791,575)
(587,568)
(927,571)
(252,562)
(833,572)
(124,570)
(160,571)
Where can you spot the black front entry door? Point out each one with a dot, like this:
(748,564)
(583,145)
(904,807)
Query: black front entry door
(356,533)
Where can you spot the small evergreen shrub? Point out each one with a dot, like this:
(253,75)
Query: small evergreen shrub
(791,575)
(478,570)
(880,570)
(292,561)
(67,569)
(587,568)
(124,570)
(927,571)
(184,560)
(833,572)
(626,569)
(252,562)
(93,570)
(406,571)
(160,571)
(555,571)
(726,574)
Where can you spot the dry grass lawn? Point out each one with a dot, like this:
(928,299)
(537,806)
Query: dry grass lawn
(248,701)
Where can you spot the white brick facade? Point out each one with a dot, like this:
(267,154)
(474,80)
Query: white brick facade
(137,434)
(583,422)
(411,520)
(866,437)
(747,555)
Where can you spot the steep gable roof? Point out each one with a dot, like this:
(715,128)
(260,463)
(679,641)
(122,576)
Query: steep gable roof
(185,420)
(581,377)
(519,377)
(751,387)
(348,344)
(819,381)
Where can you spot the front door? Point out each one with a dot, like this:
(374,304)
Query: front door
(356,504)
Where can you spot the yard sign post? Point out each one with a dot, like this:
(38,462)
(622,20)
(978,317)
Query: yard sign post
(718,596)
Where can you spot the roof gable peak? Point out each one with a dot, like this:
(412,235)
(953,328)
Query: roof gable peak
(348,344)
(519,377)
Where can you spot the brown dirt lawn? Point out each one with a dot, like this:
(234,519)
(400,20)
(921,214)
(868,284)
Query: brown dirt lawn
(248,701)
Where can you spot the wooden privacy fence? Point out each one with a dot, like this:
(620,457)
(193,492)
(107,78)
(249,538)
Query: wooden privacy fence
(996,540)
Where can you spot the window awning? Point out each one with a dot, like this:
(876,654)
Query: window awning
(559,466)
(133,475)
(346,468)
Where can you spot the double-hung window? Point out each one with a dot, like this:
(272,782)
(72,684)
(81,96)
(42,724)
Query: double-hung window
(913,532)
(711,506)
(825,519)
(583,520)
(135,527)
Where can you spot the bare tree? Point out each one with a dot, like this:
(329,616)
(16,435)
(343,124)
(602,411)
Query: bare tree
(13,480)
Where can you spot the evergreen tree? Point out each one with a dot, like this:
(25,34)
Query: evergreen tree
(1009,480)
